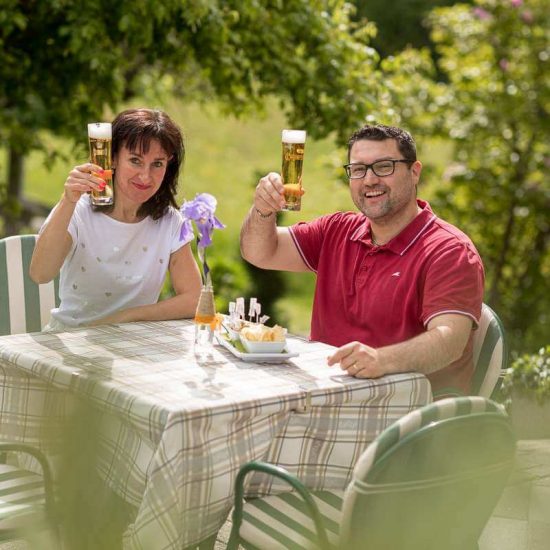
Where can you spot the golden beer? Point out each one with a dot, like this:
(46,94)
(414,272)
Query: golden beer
(294,142)
(100,138)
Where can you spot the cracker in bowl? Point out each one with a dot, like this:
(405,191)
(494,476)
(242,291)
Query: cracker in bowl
(262,339)
(262,333)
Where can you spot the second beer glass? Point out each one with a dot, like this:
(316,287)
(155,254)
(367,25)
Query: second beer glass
(100,138)
(293,159)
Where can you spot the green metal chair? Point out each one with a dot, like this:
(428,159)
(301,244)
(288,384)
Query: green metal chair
(24,305)
(429,481)
(26,499)
(27,505)
(490,354)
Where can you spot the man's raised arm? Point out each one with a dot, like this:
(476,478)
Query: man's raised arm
(263,244)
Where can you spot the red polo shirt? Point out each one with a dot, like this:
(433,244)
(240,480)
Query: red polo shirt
(382,295)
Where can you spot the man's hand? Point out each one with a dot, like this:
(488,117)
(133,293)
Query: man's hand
(442,343)
(358,360)
(263,244)
(269,196)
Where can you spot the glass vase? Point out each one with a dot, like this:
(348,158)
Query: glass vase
(205,318)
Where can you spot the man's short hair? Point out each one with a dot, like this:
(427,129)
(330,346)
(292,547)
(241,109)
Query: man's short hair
(380,132)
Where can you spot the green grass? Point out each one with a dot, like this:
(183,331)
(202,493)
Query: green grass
(224,157)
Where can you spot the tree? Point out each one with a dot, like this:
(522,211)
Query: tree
(399,23)
(64,62)
(494,107)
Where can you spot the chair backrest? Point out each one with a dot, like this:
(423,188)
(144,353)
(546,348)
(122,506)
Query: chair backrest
(24,305)
(490,353)
(431,480)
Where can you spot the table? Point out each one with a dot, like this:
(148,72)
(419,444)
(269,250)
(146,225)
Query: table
(175,426)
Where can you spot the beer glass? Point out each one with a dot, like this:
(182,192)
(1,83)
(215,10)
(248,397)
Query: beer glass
(293,158)
(100,138)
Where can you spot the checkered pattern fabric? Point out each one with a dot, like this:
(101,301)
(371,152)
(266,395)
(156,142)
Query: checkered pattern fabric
(175,426)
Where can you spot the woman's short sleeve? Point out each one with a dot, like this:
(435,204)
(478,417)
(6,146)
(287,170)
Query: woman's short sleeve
(176,222)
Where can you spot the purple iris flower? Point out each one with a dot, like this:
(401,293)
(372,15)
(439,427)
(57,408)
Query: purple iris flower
(200,210)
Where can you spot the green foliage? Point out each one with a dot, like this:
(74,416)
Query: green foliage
(530,374)
(64,62)
(494,106)
(268,287)
(400,23)
(230,279)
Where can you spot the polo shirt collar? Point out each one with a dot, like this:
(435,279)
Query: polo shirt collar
(404,240)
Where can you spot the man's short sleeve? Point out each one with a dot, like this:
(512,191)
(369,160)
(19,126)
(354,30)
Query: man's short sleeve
(454,283)
(308,238)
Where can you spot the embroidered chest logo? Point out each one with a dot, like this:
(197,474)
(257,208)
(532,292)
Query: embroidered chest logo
(396,274)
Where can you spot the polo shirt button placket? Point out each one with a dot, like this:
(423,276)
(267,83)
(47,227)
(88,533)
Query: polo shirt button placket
(363,274)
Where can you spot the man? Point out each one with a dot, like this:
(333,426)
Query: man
(398,289)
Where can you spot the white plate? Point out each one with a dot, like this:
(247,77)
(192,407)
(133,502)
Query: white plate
(255,357)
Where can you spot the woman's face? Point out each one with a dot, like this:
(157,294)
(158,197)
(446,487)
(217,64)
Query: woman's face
(138,175)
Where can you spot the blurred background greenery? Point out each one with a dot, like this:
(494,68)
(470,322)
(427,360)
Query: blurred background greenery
(469,80)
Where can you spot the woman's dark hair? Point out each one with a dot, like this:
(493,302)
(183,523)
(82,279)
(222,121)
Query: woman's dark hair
(381,132)
(135,129)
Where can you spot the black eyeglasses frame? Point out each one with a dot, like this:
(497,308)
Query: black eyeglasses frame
(347,167)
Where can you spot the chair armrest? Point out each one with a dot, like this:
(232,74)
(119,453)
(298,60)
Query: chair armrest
(295,483)
(44,464)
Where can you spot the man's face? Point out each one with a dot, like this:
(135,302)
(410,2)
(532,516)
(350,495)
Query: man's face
(387,198)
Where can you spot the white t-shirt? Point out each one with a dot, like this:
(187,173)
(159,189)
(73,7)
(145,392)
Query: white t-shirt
(113,265)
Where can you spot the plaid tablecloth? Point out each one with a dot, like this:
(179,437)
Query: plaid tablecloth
(175,426)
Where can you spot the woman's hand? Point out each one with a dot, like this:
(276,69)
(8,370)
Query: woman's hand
(123,316)
(83,179)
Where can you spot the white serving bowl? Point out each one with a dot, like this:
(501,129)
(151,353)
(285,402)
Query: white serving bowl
(252,346)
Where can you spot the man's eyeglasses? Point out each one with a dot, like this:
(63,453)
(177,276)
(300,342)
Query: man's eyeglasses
(381,168)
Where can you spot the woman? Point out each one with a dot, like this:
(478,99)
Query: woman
(113,260)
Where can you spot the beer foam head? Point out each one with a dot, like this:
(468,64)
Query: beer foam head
(293,136)
(100,130)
